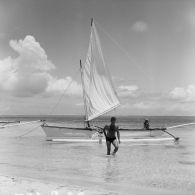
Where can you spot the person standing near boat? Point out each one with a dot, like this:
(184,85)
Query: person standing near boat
(146,124)
(110,136)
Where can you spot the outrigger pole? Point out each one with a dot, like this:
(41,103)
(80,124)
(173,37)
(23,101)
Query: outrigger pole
(176,126)
(182,125)
(176,138)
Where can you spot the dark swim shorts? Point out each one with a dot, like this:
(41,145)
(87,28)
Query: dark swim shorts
(110,139)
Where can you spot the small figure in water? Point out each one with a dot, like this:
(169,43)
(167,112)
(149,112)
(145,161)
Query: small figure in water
(88,125)
(109,132)
(146,124)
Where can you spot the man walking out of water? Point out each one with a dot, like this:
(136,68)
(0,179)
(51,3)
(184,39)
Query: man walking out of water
(110,136)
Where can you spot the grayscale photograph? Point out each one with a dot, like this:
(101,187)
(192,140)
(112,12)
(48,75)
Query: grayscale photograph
(97,97)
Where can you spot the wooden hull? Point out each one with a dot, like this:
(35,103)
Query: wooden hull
(57,133)
(126,140)
(8,122)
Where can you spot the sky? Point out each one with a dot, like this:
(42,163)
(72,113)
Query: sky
(148,46)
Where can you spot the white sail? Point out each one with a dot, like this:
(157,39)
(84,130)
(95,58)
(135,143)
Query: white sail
(98,90)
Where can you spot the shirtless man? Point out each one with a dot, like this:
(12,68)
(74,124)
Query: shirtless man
(109,132)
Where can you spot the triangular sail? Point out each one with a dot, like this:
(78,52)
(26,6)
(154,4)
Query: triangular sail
(99,94)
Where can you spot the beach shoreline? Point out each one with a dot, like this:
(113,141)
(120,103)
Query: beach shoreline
(14,185)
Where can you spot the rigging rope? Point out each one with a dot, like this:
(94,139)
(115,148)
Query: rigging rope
(123,50)
(31,130)
(60,98)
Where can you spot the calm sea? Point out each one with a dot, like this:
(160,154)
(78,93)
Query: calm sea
(161,166)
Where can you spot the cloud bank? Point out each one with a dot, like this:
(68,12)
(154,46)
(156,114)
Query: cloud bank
(28,74)
(178,101)
(128,91)
(182,94)
(139,26)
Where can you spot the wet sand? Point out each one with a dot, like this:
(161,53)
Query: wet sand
(17,185)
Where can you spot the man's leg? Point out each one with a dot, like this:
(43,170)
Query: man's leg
(108,143)
(115,144)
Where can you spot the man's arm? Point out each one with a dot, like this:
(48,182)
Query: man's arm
(104,130)
(118,135)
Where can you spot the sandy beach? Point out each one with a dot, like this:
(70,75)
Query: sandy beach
(26,186)
(15,185)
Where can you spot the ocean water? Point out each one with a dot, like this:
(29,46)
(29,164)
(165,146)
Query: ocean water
(166,167)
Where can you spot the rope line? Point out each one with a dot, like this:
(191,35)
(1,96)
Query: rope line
(28,132)
(60,98)
(123,50)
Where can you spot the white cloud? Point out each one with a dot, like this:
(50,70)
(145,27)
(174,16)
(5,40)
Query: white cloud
(128,91)
(128,87)
(31,54)
(142,105)
(179,102)
(182,94)
(178,93)
(67,85)
(139,26)
(8,75)
(80,104)
(28,73)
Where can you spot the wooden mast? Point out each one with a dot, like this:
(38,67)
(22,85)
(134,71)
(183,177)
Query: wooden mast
(91,21)
(84,96)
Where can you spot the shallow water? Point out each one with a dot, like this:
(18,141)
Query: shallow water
(164,166)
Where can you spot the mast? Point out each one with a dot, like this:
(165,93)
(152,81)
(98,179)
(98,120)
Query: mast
(91,22)
(84,95)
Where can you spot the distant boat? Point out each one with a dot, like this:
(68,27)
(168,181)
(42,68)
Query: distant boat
(99,97)
(8,122)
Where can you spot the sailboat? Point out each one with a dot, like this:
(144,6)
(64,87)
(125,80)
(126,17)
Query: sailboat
(8,122)
(99,97)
